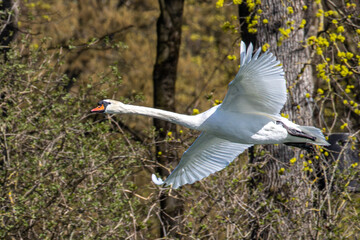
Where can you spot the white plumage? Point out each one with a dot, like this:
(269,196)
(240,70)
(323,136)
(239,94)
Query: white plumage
(248,115)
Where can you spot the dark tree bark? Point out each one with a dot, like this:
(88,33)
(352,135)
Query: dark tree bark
(8,27)
(8,30)
(292,55)
(298,75)
(294,58)
(164,77)
(245,35)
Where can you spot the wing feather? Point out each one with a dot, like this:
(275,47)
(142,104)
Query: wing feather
(258,86)
(208,154)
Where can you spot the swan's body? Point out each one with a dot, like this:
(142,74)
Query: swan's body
(248,115)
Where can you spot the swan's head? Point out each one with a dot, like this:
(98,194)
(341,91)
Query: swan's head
(109,106)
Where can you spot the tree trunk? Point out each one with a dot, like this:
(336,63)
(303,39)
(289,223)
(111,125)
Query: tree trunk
(291,52)
(299,81)
(164,76)
(8,29)
(294,58)
(292,55)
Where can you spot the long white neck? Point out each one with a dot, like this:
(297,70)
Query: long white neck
(193,122)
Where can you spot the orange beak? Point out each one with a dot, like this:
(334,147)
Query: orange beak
(99,109)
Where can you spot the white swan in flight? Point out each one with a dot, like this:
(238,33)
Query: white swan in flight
(248,115)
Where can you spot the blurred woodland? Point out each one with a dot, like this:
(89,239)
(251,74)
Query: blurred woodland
(68,174)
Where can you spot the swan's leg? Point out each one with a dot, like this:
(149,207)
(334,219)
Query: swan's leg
(296,133)
(306,146)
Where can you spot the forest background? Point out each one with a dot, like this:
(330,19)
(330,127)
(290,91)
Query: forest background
(69,174)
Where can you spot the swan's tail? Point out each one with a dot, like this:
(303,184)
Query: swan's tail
(156,180)
(315,132)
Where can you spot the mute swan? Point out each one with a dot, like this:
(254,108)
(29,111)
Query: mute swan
(248,115)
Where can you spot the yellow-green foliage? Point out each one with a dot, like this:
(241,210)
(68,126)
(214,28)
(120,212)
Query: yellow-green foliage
(337,64)
(334,50)
(61,168)
(67,173)
(202,64)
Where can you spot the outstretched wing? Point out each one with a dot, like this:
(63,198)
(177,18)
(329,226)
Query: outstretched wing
(258,86)
(208,154)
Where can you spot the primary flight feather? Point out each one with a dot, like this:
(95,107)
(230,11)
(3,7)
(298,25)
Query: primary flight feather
(248,115)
